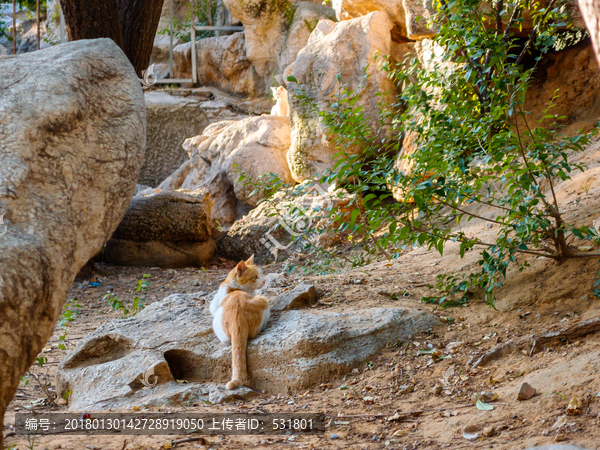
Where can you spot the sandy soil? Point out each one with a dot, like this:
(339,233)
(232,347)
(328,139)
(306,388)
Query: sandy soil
(359,404)
(391,401)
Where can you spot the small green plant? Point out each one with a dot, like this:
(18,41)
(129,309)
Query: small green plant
(586,188)
(137,303)
(68,315)
(41,362)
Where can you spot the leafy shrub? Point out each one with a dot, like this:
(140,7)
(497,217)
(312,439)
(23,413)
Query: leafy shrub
(474,146)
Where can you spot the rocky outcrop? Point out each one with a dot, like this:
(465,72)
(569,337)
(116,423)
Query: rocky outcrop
(253,234)
(265,26)
(574,74)
(171,120)
(72,138)
(227,149)
(173,340)
(347,49)
(275,30)
(306,17)
(164,229)
(408,16)
(222,63)
(286,223)
(301,296)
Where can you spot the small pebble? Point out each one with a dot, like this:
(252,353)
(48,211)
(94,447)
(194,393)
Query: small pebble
(333,436)
(560,438)
(526,392)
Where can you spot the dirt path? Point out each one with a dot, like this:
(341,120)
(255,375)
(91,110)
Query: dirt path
(398,381)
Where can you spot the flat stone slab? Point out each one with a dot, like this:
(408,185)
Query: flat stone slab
(145,359)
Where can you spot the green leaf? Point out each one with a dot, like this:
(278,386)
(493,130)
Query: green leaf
(481,406)
(427,351)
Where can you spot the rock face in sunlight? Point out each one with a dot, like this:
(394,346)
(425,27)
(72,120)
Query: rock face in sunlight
(222,63)
(164,229)
(275,29)
(72,139)
(409,16)
(346,49)
(137,361)
(227,149)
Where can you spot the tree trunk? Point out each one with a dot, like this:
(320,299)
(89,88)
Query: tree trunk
(132,24)
(139,22)
(86,19)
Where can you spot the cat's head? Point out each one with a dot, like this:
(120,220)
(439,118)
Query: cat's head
(279,92)
(247,276)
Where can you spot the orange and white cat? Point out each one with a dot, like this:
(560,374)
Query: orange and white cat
(238,315)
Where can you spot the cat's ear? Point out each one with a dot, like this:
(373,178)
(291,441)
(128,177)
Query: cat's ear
(241,267)
(250,260)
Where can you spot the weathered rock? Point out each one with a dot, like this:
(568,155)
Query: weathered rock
(173,339)
(72,137)
(275,30)
(574,72)
(268,229)
(265,28)
(253,146)
(306,17)
(417,13)
(525,392)
(301,296)
(171,120)
(167,216)
(139,188)
(222,63)
(161,47)
(409,16)
(164,229)
(251,235)
(346,50)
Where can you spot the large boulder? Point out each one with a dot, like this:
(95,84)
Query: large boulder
(72,138)
(306,18)
(222,63)
(408,16)
(173,340)
(347,49)
(227,149)
(265,26)
(171,120)
(164,229)
(268,26)
(287,222)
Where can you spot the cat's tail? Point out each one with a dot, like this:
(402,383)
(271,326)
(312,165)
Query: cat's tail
(239,342)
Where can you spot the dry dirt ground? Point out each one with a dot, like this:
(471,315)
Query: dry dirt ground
(360,403)
(392,401)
